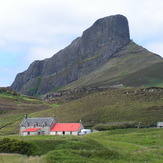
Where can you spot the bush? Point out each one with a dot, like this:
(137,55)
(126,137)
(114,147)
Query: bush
(16,146)
(76,156)
(115,125)
(80,144)
(104,154)
(58,156)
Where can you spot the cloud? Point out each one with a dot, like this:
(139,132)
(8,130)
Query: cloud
(38,52)
(37,29)
(155,47)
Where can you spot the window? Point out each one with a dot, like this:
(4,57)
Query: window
(35,124)
(26,124)
(43,124)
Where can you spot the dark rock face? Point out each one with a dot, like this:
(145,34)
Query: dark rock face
(95,47)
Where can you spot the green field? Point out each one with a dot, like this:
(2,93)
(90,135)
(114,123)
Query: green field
(115,146)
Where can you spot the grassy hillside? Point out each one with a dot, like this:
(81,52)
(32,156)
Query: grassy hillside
(13,108)
(123,65)
(112,105)
(151,76)
(115,105)
(116,146)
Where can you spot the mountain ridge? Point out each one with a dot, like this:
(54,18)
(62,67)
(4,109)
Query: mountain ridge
(83,55)
(97,45)
(129,60)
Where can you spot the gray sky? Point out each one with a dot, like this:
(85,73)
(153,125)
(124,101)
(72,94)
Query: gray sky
(37,29)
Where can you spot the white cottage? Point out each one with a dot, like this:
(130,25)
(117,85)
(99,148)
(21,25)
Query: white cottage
(31,131)
(48,126)
(37,126)
(66,129)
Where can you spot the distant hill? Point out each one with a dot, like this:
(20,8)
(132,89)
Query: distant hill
(103,56)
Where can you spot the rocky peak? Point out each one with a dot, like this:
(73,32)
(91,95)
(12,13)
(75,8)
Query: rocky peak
(95,47)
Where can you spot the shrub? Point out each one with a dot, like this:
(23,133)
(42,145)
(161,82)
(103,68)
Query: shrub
(16,146)
(58,156)
(104,154)
(115,125)
(69,156)
(80,144)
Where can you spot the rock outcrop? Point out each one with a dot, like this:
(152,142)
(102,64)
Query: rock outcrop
(94,48)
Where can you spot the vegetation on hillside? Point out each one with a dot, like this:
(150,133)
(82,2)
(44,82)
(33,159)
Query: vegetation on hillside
(116,146)
(13,108)
(124,68)
(112,105)
(16,146)
(115,105)
(147,77)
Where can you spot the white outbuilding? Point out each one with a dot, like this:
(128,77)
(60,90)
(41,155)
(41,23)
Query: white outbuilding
(66,129)
(159,124)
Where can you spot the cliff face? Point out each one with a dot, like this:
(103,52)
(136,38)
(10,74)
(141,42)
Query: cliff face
(94,48)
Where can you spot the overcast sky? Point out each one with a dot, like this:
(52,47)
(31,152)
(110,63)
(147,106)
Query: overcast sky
(37,29)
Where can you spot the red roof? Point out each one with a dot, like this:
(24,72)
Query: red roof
(66,127)
(31,129)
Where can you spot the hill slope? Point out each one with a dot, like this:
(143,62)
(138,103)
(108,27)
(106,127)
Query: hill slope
(149,76)
(102,56)
(13,108)
(124,68)
(112,105)
(115,105)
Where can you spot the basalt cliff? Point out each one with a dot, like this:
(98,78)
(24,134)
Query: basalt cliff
(101,50)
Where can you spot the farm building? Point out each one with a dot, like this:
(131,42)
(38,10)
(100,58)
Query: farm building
(159,124)
(48,126)
(66,129)
(37,126)
(32,131)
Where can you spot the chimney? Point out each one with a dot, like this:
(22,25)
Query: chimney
(54,118)
(26,116)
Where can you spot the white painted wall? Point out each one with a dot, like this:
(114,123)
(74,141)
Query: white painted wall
(45,129)
(159,124)
(31,133)
(66,133)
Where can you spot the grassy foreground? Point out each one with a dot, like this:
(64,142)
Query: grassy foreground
(17,158)
(114,146)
